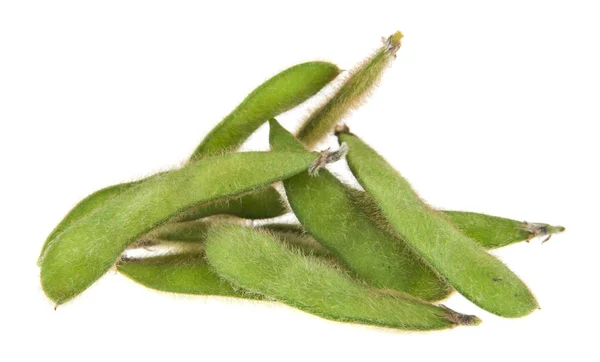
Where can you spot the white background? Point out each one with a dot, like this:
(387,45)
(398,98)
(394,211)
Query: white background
(489,107)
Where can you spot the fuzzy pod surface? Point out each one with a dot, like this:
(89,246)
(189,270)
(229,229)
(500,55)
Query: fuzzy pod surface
(265,203)
(327,211)
(186,273)
(185,270)
(491,232)
(351,93)
(85,251)
(479,276)
(261,204)
(494,232)
(282,92)
(83,208)
(195,232)
(257,262)
(180,231)
(277,95)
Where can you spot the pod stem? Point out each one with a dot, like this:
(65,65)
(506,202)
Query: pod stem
(539,230)
(393,43)
(328,157)
(352,92)
(459,318)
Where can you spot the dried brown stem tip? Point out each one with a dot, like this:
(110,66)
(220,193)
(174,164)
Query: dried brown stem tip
(459,318)
(539,230)
(328,157)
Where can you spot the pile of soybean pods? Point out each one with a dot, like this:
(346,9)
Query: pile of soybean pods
(378,255)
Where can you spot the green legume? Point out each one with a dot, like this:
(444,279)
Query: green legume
(261,204)
(82,209)
(350,95)
(85,251)
(489,231)
(184,269)
(327,211)
(284,91)
(257,262)
(186,273)
(278,94)
(477,275)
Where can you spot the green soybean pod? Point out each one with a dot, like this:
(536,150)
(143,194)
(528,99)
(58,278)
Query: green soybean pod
(186,273)
(261,204)
(257,262)
(323,205)
(195,232)
(278,94)
(359,82)
(84,208)
(265,203)
(282,92)
(474,273)
(489,231)
(180,231)
(85,251)
(493,232)
(185,269)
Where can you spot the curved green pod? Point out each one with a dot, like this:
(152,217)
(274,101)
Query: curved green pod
(257,262)
(277,95)
(195,232)
(180,231)
(359,82)
(265,203)
(474,273)
(489,231)
(282,92)
(327,211)
(85,207)
(186,273)
(186,270)
(85,251)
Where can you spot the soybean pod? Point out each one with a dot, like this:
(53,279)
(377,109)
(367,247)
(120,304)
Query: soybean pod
(185,270)
(85,251)
(262,204)
(327,211)
(491,232)
(265,203)
(180,231)
(186,273)
(474,273)
(284,91)
(195,232)
(278,94)
(257,262)
(357,85)
(85,207)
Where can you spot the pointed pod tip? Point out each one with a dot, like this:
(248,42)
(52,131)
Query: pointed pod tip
(459,318)
(471,320)
(395,38)
(393,43)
